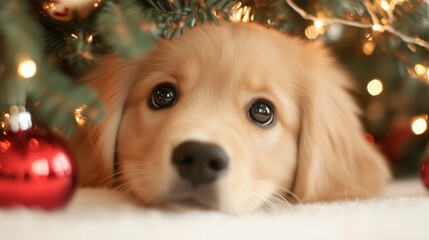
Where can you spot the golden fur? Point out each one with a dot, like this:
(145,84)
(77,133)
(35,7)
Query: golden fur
(315,151)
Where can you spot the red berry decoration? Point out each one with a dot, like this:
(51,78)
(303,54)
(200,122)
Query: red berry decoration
(36,170)
(424,172)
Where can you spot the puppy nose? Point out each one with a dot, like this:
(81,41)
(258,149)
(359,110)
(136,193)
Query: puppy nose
(200,162)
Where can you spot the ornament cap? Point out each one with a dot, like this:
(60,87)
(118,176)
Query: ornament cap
(19,119)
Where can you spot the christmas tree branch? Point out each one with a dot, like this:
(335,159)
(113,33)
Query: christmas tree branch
(375,23)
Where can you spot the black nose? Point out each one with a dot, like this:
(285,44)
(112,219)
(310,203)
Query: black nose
(200,162)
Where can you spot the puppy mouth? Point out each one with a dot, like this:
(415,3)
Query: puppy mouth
(194,203)
(203,196)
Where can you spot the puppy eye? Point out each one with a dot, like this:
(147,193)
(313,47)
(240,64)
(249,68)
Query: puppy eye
(163,95)
(262,113)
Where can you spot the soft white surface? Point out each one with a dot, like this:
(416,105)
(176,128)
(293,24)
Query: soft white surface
(401,213)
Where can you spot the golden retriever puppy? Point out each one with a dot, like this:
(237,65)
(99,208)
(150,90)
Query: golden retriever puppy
(231,117)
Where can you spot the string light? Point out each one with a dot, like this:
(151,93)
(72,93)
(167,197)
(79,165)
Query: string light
(375,87)
(368,5)
(27,68)
(377,27)
(384,5)
(412,47)
(79,115)
(241,13)
(419,125)
(318,23)
(89,38)
(420,69)
(246,14)
(375,111)
(368,48)
(311,32)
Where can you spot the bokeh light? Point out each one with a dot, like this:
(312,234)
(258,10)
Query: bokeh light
(419,125)
(375,87)
(27,68)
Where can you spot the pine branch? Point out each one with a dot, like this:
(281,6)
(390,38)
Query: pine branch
(119,23)
(54,94)
(172,18)
(20,42)
(375,23)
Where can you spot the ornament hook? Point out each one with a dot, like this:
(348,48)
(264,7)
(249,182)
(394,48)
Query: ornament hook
(19,119)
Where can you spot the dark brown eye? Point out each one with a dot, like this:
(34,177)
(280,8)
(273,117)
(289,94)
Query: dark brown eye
(163,95)
(262,113)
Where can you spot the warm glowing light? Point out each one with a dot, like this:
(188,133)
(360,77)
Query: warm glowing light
(384,5)
(237,5)
(368,36)
(419,125)
(412,47)
(246,14)
(241,13)
(420,69)
(376,27)
(368,48)
(79,116)
(89,38)
(375,87)
(74,36)
(27,68)
(318,23)
(311,32)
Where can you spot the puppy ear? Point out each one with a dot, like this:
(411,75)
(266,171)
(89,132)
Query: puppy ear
(335,159)
(94,145)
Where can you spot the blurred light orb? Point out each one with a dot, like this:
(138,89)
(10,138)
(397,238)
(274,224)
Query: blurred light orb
(384,5)
(368,48)
(420,69)
(27,68)
(311,32)
(376,27)
(318,23)
(419,126)
(375,87)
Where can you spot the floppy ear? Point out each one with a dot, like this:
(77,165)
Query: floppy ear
(335,159)
(94,145)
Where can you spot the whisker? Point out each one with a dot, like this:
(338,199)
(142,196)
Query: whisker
(295,197)
(283,201)
(267,202)
(111,179)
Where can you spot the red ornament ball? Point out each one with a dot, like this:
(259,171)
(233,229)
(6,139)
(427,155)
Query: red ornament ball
(36,170)
(424,172)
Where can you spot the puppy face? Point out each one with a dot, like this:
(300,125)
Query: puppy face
(213,92)
(234,117)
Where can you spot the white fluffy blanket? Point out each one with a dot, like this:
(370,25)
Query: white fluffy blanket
(402,213)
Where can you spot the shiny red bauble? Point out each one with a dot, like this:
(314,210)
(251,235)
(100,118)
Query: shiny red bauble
(36,170)
(424,172)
